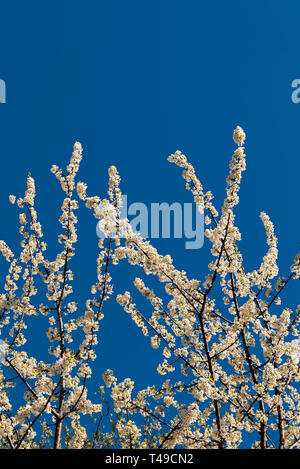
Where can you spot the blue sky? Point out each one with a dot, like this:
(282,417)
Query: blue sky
(133,82)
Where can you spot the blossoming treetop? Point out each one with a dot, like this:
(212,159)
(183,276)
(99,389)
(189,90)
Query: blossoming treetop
(238,360)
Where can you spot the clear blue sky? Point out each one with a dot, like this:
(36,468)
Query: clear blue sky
(134,81)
